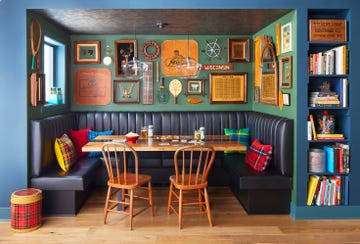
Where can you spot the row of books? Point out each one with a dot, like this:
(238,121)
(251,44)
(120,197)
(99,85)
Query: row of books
(329,62)
(337,158)
(331,190)
(313,135)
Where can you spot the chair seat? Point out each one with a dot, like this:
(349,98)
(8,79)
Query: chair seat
(190,182)
(130,181)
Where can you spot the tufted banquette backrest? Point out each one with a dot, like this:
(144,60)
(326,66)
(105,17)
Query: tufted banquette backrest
(270,129)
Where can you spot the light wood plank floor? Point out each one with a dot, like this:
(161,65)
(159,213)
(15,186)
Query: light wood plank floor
(231,225)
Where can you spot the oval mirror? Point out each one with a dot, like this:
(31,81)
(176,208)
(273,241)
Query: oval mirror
(268,74)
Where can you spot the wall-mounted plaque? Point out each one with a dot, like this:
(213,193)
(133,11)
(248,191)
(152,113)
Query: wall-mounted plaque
(327,30)
(228,88)
(92,86)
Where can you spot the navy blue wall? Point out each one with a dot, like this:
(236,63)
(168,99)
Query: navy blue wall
(13,77)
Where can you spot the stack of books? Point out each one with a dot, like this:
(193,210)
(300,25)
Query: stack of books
(334,136)
(322,99)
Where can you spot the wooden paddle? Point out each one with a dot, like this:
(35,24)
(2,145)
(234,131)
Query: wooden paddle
(175,88)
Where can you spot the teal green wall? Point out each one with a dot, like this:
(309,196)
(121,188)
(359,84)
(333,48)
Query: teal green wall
(56,33)
(181,105)
(287,111)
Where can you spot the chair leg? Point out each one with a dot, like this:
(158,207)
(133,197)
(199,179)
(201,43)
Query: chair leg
(107,203)
(131,207)
(180,208)
(170,197)
(150,199)
(208,206)
(200,200)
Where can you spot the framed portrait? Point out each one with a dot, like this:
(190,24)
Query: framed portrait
(228,87)
(87,52)
(239,50)
(286,72)
(286,99)
(195,87)
(286,38)
(126,91)
(269,89)
(125,50)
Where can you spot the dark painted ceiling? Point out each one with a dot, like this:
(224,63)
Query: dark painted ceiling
(174,21)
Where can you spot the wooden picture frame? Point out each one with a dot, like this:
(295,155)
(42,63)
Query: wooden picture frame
(126,91)
(269,89)
(286,38)
(286,72)
(125,50)
(228,87)
(239,50)
(87,52)
(286,99)
(195,87)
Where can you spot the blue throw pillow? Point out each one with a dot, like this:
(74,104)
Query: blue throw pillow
(240,135)
(92,134)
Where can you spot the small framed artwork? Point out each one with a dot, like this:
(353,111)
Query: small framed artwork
(269,89)
(195,87)
(286,38)
(286,72)
(228,87)
(126,91)
(286,99)
(125,50)
(239,50)
(87,52)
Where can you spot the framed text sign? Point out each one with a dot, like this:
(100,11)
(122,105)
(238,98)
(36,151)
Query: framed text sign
(228,88)
(92,86)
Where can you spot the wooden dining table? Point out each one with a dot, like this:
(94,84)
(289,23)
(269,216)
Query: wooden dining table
(164,143)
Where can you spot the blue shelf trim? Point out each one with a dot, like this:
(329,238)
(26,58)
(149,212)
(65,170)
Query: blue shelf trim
(324,212)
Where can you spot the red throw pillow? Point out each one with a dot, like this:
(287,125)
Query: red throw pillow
(258,155)
(79,139)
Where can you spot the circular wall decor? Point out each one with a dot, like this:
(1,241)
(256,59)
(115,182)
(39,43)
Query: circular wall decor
(150,50)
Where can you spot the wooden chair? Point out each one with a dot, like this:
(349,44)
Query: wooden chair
(188,187)
(116,157)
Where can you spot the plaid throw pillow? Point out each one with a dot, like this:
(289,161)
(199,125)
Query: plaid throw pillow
(240,135)
(258,156)
(92,134)
(65,152)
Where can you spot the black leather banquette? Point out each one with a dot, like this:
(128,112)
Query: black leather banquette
(64,193)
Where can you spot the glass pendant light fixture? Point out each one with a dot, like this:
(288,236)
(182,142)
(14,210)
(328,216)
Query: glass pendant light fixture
(134,68)
(190,68)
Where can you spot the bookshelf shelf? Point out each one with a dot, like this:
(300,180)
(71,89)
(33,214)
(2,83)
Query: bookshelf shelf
(328,88)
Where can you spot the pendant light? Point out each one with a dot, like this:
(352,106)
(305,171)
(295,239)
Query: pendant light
(134,68)
(190,68)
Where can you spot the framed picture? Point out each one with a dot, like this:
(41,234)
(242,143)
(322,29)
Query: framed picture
(195,87)
(126,91)
(269,89)
(125,50)
(286,38)
(239,50)
(87,52)
(286,72)
(286,99)
(228,87)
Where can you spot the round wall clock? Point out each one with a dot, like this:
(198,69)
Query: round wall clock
(213,49)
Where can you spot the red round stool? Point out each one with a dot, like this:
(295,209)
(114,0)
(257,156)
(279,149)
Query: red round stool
(26,207)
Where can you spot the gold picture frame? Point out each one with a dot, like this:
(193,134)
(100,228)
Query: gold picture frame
(87,52)
(126,91)
(228,87)
(239,50)
(195,87)
(268,89)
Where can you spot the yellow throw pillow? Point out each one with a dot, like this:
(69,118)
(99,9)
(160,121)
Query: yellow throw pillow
(65,152)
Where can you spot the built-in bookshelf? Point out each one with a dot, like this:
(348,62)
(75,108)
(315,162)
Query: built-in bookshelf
(329,128)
